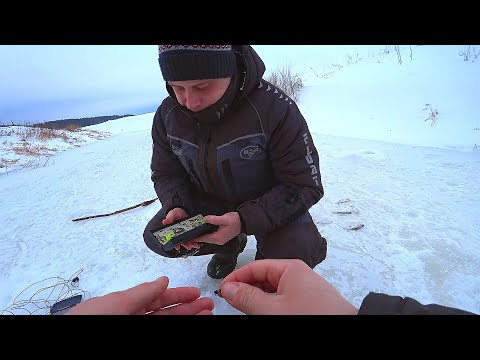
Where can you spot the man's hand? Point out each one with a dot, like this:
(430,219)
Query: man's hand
(173,215)
(280,287)
(229,226)
(151,298)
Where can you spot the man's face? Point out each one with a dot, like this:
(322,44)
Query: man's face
(197,95)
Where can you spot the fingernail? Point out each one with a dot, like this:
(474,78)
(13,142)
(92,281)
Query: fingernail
(229,290)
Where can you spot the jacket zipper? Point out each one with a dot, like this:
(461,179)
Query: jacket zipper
(205,160)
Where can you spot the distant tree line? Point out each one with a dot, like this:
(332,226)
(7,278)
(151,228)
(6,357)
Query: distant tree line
(80,122)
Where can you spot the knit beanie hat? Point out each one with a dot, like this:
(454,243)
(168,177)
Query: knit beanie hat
(196,62)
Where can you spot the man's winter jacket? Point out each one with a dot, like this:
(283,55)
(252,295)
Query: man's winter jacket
(251,151)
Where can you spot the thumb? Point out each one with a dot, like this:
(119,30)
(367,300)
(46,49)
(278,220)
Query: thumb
(169,218)
(248,299)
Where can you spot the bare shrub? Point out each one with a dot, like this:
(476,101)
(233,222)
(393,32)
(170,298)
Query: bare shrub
(31,143)
(476,146)
(289,82)
(469,53)
(432,114)
(6,132)
(399,55)
(27,133)
(94,134)
(5,163)
(72,127)
(385,51)
(27,149)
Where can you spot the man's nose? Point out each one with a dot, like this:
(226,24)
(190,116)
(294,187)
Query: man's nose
(193,102)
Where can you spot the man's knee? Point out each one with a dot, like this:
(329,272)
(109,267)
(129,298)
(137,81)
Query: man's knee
(298,240)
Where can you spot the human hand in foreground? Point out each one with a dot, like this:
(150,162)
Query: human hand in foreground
(281,287)
(152,298)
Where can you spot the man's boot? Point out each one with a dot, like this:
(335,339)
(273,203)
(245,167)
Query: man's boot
(224,263)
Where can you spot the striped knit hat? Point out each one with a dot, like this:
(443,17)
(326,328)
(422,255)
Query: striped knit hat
(195,62)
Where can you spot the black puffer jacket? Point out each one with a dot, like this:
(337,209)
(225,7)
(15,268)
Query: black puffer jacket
(383,304)
(252,151)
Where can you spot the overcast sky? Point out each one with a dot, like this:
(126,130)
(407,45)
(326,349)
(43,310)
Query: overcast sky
(52,82)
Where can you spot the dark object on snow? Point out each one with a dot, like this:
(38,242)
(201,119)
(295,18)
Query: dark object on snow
(145,203)
(356,227)
(62,306)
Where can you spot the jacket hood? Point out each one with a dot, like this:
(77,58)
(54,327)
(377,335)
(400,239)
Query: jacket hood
(250,66)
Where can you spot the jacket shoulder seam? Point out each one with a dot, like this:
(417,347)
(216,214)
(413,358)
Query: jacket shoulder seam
(169,112)
(259,118)
(274,90)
